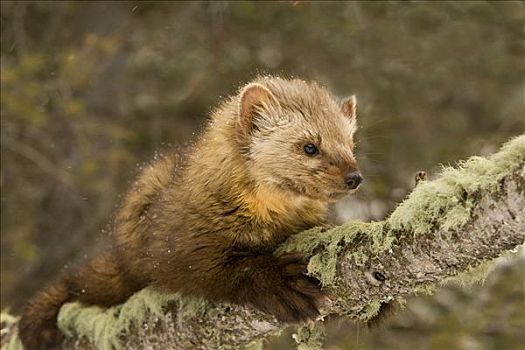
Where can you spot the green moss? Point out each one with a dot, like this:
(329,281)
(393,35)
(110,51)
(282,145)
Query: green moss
(448,201)
(8,321)
(193,307)
(323,247)
(105,327)
(310,337)
(382,238)
(372,309)
(306,242)
(477,274)
(13,344)
(427,289)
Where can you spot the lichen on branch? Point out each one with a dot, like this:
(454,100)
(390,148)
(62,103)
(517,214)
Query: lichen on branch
(450,227)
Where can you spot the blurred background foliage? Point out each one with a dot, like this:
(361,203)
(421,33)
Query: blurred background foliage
(89,91)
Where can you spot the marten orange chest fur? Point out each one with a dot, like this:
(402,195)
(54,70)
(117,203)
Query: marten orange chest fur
(205,224)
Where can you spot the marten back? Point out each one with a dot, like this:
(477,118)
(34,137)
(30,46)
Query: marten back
(267,165)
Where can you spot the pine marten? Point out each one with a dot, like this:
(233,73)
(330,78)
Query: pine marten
(204,224)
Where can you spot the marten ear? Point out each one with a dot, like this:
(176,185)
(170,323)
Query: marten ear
(254,98)
(349,107)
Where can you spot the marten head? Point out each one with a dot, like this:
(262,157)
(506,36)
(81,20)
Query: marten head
(297,138)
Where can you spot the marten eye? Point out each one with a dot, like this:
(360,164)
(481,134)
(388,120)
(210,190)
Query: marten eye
(310,149)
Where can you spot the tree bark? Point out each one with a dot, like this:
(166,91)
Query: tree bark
(448,228)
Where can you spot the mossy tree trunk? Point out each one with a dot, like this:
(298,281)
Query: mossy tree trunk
(449,228)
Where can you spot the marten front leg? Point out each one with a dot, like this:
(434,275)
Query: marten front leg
(280,286)
(276,285)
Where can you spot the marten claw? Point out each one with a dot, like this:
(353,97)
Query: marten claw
(294,296)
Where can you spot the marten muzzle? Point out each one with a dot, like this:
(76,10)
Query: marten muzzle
(353,180)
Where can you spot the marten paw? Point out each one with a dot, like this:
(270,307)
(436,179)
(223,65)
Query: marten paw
(292,296)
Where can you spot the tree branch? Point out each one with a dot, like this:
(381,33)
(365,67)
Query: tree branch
(451,227)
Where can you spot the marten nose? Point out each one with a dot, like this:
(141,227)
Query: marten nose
(353,180)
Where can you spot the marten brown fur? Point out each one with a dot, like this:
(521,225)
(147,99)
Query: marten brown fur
(205,224)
